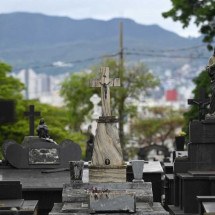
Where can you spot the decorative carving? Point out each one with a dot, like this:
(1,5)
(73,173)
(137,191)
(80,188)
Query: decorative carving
(42,129)
(44,156)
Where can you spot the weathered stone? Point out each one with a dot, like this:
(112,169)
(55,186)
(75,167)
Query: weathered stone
(137,167)
(76,171)
(107,173)
(107,145)
(75,207)
(110,201)
(141,209)
(78,193)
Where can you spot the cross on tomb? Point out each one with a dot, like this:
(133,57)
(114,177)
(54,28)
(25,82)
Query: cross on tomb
(202,102)
(105,83)
(31,114)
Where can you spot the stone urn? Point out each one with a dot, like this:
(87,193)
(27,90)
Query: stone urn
(179,143)
(137,167)
(76,171)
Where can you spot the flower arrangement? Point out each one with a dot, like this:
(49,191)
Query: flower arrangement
(180,141)
(181,134)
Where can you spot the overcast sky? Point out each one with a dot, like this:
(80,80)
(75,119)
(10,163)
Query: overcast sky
(142,11)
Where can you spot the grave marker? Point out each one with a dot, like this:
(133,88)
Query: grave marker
(107,190)
(107,143)
(41,152)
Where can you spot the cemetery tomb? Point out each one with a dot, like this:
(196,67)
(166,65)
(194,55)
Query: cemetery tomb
(40,152)
(194,174)
(107,190)
(40,164)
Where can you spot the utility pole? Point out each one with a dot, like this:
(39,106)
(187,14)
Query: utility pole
(121,51)
(122,97)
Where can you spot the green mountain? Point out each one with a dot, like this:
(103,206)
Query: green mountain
(37,41)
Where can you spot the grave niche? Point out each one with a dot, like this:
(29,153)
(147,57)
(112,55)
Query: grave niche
(36,152)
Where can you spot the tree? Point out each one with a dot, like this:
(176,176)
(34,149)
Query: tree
(201,11)
(10,87)
(76,90)
(160,127)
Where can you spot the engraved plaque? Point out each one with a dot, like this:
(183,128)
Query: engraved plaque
(44,156)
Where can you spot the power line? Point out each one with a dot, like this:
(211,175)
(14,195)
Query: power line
(73,62)
(166,50)
(132,51)
(165,56)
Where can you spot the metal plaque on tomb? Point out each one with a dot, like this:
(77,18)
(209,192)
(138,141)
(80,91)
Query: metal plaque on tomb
(44,156)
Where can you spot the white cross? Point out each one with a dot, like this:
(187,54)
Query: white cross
(95,99)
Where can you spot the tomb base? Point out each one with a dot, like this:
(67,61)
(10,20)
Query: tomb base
(104,198)
(107,173)
(79,208)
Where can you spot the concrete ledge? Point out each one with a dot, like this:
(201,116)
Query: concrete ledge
(78,192)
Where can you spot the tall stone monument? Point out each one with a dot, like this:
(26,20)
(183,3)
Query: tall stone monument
(107,160)
(107,190)
(193,173)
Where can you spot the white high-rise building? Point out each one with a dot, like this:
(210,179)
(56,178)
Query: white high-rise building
(44,87)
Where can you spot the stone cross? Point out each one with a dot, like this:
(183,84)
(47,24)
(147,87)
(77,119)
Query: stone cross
(31,114)
(95,99)
(202,102)
(105,83)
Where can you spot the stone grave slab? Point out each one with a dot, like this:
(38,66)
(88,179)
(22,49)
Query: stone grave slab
(18,206)
(141,209)
(209,208)
(11,203)
(37,152)
(78,193)
(110,201)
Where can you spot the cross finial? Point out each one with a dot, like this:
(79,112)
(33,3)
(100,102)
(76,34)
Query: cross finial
(202,102)
(105,83)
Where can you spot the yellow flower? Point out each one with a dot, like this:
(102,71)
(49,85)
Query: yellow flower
(181,133)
